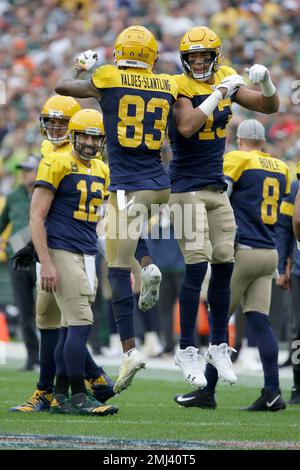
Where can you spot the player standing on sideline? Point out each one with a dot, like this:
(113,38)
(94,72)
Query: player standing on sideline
(54,120)
(69,189)
(136,105)
(206,91)
(256,184)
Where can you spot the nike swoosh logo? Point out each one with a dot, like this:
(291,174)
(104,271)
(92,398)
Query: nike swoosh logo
(269,404)
(46,164)
(182,399)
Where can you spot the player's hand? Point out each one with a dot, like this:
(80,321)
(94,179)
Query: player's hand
(24,258)
(283,281)
(49,277)
(230,84)
(258,73)
(87,59)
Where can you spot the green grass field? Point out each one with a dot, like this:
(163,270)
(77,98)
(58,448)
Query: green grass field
(149,418)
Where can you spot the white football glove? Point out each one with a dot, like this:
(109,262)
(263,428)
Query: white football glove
(232,83)
(258,73)
(87,59)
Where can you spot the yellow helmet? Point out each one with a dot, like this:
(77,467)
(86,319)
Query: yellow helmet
(136,47)
(89,122)
(55,116)
(201,39)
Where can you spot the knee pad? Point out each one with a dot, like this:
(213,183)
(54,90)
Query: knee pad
(223,253)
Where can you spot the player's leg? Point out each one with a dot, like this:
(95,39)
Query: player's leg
(243,275)
(295,394)
(222,231)
(124,226)
(23,286)
(73,297)
(48,319)
(194,244)
(256,306)
(97,382)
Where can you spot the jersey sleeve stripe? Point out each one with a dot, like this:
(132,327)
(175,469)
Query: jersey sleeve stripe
(45,184)
(287,208)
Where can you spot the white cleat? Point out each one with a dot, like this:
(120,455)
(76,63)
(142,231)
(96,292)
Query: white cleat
(188,360)
(132,362)
(151,279)
(218,356)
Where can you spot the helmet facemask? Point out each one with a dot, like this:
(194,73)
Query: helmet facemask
(210,64)
(54,127)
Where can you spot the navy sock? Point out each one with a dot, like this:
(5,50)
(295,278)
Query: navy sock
(267,346)
(141,249)
(59,352)
(92,371)
(75,352)
(49,340)
(189,296)
(112,326)
(122,301)
(218,297)
(211,375)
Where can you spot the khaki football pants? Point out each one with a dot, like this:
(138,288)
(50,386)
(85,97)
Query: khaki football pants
(207,227)
(251,282)
(70,305)
(123,227)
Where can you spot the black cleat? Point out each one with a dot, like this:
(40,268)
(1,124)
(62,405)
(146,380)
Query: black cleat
(198,398)
(60,404)
(86,405)
(295,397)
(268,401)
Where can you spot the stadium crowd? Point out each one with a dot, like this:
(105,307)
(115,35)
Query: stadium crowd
(40,39)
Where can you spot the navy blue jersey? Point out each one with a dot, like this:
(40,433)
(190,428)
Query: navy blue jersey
(136,106)
(259,184)
(72,219)
(285,240)
(198,160)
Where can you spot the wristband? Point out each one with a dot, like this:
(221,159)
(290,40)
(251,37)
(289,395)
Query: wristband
(208,106)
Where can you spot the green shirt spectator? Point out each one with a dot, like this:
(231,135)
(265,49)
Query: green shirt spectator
(17,207)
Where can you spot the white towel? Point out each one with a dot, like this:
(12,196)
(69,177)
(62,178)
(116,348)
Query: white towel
(90,270)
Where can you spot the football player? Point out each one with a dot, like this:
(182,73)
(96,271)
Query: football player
(296,217)
(54,120)
(290,278)
(256,184)
(136,106)
(69,189)
(206,90)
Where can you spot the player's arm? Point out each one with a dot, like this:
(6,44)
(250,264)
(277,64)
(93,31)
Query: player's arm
(70,85)
(40,204)
(189,120)
(264,101)
(284,242)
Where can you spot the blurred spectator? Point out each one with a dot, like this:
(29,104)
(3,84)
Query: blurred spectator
(16,214)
